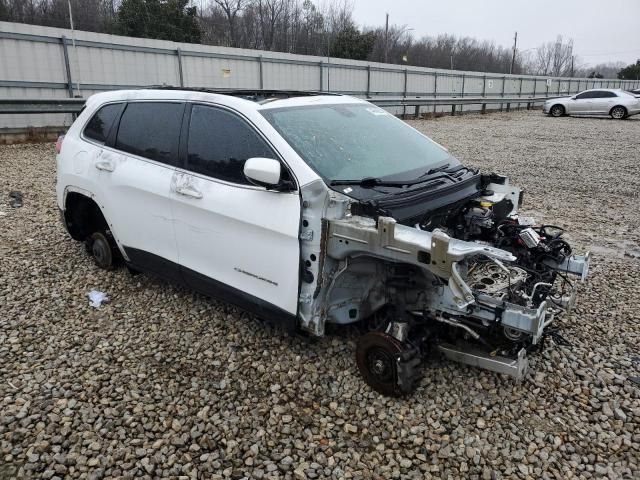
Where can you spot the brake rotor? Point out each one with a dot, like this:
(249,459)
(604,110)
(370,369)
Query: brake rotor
(377,358)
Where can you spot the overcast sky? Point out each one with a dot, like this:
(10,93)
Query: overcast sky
(602,30)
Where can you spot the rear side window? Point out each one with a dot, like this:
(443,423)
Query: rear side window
(98,127)
(220,142)
(602,94)
(151,130)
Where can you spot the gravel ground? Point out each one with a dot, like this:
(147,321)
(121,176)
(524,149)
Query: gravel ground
(165,383)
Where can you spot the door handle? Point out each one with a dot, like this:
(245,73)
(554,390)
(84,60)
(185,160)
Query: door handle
(189,192)
(106,166)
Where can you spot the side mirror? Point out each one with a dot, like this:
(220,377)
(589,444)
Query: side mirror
(264,172)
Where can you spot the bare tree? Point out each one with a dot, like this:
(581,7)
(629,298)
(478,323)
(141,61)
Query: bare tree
(553,58)
(232,9)
(269,14)
(606,70)
(311,27)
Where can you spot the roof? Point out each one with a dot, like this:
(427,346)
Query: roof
(241,98)
(602,90)
(255,95)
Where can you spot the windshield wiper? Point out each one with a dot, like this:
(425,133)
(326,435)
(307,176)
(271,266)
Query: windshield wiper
(370,182)
(435,170)
(366,182)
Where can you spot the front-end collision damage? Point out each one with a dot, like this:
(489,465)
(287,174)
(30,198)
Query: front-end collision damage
(467,284)
(481,286)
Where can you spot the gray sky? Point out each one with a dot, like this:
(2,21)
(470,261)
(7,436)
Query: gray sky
(602,30)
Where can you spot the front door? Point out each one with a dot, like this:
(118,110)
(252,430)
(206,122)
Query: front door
(581,104)
(236,241)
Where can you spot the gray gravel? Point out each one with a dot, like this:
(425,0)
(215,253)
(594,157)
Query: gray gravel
(161,382)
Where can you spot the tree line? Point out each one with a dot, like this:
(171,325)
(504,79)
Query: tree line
(301,27)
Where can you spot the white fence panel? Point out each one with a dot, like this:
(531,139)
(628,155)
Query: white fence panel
(37,62)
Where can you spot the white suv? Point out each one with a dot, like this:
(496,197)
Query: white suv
(309,208)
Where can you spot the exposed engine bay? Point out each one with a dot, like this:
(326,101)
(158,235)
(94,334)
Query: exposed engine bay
(471,279)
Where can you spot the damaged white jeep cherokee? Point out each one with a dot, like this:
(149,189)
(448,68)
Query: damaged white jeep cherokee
(308,209)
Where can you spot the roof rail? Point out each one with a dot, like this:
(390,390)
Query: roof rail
(256,95)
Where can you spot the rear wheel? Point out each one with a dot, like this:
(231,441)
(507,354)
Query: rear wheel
(618,112)
(102,250)
(557,111)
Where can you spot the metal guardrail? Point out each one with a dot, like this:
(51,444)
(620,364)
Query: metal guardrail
(418,101)
(74,105)
(41,105)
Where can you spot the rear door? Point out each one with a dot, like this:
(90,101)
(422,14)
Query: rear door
(134,170)
(602,102)
(235,240)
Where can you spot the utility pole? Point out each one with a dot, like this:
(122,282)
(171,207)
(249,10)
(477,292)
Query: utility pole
(75,49)
(451,59)
(573,57)
(386,40)
(328,61)
(513,58)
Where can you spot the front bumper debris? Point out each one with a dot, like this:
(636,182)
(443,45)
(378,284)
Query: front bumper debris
(514,367)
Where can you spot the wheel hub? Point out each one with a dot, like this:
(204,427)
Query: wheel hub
(380,364)
(99,251)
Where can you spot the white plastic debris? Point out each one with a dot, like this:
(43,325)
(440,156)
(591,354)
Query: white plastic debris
(97,298)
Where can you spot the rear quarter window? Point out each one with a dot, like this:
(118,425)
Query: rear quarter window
(100,124)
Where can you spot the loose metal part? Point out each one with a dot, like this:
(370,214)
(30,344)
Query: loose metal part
(515,367)
(398,330)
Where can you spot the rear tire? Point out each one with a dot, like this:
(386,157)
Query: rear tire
(102,251)
(557,111)
(618,113)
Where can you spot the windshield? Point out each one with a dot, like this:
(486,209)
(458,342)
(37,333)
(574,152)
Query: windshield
(356,141)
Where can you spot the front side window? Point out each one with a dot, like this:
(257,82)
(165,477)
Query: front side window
(220,142)
(151,130)
(599,94)
(584,96)
(100,124)
(354,141)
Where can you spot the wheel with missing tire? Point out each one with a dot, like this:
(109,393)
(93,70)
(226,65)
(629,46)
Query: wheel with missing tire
(102,251)
(382,362)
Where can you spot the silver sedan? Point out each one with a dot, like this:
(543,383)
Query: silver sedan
(616,103)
